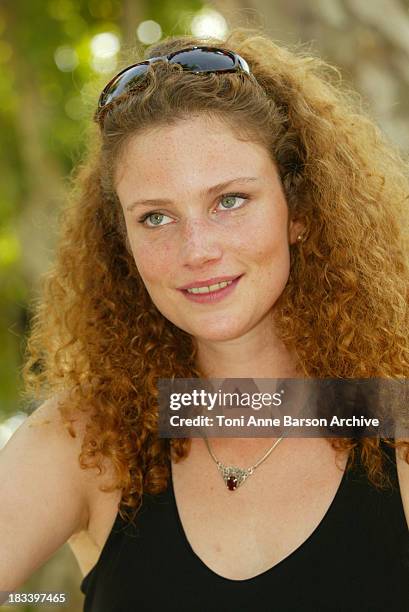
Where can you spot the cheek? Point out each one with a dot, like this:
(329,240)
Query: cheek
(153,263)
(263,245)
(262,236)
(266,250)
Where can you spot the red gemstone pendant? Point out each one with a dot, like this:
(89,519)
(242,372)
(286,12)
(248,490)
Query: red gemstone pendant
(233,476)
(231,483)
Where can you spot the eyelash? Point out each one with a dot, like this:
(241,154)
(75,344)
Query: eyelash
(243,196)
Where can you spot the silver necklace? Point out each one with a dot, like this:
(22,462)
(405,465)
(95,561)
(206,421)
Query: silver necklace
(234,476)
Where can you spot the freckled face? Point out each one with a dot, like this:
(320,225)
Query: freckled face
(192,233)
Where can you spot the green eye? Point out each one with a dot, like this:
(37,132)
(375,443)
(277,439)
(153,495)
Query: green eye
(156,218)
(229,201)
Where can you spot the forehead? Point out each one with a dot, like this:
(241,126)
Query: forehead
(194,151)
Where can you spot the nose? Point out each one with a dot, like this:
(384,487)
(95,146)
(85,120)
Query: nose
(200,242)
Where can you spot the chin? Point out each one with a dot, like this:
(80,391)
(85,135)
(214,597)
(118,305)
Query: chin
(217,332)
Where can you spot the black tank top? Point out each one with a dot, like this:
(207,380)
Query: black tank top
(357,560)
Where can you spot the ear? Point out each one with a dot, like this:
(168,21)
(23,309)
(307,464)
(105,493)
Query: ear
(295,229)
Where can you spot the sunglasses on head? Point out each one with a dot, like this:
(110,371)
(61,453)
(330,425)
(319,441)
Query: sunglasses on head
(198,59)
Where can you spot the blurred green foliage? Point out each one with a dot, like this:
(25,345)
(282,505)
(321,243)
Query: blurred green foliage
(48,86)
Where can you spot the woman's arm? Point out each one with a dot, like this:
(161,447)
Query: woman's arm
(43,498)
(403,474)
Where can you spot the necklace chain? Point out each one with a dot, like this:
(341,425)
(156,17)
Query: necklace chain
(234,476)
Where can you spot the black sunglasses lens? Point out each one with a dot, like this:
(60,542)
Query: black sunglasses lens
(121,83)
(203,60)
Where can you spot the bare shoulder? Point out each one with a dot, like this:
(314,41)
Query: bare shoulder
(91,479)
(44,493)
(403,475)
(87,540)
(70,433)
(66,436)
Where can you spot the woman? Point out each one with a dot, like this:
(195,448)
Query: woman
(256,169)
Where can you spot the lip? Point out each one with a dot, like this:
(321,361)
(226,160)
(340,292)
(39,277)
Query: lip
(213,296)
(208,282)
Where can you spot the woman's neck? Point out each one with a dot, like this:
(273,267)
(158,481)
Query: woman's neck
(257,354)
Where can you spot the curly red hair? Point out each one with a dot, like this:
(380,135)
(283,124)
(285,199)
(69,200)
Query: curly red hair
(97,337)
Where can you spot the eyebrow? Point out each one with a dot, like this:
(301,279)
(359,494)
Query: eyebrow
(208,191)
